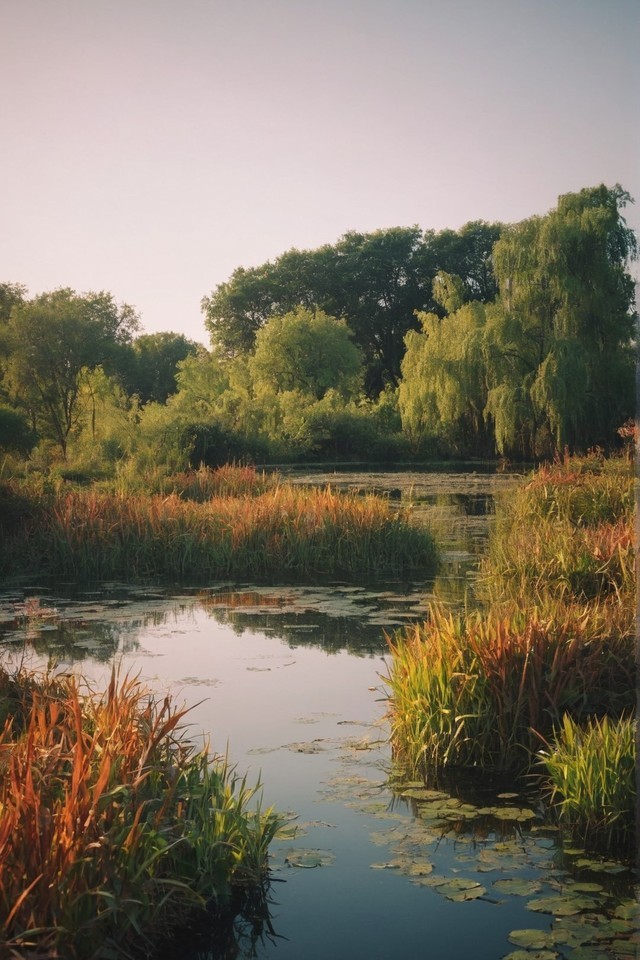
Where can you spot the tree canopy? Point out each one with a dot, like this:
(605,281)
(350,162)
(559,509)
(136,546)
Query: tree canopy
(50,340)
(374,281)
(306,351)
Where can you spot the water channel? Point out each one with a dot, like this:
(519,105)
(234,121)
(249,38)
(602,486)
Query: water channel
(289,680)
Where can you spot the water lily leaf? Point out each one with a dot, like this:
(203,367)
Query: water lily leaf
(459,888)
(419,868)
(589,953)
(572,931)
(585,887)
(472,894)
(624,949)
(601,866)
(308,858)
(514,813)
(517,886)
(561,906)
(290,831)
(627,910)
(531,955)
(423,793)
(531,939)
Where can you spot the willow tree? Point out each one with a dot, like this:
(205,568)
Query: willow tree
(560,363)
(442,392)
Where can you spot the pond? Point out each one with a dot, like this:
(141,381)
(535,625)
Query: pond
(289,681)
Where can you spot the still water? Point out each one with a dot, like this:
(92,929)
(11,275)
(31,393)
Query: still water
(289,680)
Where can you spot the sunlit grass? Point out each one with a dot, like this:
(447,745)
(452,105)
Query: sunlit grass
(477,689)
(592,773)
(268,530)
(114,828)
(568,531)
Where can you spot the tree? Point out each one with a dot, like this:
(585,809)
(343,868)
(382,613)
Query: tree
(442,393)
(155,359)
(51,340)
(15,433)
(374,281)
(308,352)
(559,348)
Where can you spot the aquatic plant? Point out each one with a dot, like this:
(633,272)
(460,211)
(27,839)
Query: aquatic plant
(114,828)
(478,688)
(284,531)
(568,531)
(591,769)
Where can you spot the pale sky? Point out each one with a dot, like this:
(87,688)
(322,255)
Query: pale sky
(149,147)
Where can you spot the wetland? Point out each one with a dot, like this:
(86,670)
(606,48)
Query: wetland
(288,678)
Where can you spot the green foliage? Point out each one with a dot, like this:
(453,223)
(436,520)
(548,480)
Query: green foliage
(442,393)
(51,342)
(155,363)
(559,358)
(374,281)
(478,689)
(308,352)
(592,774)
(15,432)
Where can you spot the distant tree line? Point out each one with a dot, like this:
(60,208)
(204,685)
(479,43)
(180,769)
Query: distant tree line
(513,340)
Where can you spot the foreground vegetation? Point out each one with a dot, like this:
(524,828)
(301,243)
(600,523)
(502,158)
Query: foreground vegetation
(212,525)
(114,828)
(549,663)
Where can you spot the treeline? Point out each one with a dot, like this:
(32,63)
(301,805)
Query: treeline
(511,340)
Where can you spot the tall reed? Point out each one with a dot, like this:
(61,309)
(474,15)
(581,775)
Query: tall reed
(568,532)
(283,531)
(114,828)
(477,689)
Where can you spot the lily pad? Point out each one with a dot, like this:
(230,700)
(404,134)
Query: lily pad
(589,953)
(514,813)
(627,910)
(423,793)
(531,939)
(459,888)
(517,886)
(532,955)
(600,866)
(308,858)
(561,906)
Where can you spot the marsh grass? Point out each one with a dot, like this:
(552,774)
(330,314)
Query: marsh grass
(114,828)
(592,775)
(568,532)
(477,689)
(279,531)
(553,650)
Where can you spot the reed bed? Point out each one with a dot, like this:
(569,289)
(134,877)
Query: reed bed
(569,531)
(284,531)
(591,770)
(114,828)
(206,483)
(479,689)
(553,648)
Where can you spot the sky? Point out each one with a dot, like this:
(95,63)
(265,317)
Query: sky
(150,147)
